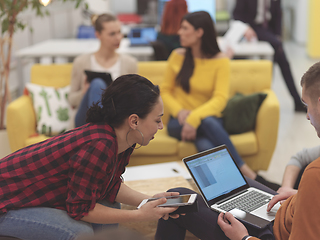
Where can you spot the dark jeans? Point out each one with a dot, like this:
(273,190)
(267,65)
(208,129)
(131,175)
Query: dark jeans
(93,95)
(210,134)
(203,224)
(280,58)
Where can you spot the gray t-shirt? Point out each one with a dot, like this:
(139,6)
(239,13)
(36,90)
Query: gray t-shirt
(304,157)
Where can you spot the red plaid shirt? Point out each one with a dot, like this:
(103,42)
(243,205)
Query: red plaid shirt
(71,172)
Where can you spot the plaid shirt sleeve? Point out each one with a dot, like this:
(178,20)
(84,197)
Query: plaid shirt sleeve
(91,171)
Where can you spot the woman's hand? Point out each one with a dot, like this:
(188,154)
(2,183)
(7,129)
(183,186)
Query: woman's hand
(85,86)
(165,194)
(280,198)
(231,227)
(151,211)
(182,115)
(188,133)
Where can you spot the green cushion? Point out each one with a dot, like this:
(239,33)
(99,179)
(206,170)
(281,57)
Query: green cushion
(239,116)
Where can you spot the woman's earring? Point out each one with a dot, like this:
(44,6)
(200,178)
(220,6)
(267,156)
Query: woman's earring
(141,136)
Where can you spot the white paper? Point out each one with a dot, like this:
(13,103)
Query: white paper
(151,171)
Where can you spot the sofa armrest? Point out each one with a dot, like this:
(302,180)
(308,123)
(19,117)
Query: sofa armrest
(267,123)
(21,122)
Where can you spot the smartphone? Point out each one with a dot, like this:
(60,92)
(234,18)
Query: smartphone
(174,201)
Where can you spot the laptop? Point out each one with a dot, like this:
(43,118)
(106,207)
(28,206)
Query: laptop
(224,188)
(142,36)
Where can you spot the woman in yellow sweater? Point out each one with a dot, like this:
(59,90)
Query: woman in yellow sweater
(196,87)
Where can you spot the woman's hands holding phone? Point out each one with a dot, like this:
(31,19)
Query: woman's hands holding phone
(153,212)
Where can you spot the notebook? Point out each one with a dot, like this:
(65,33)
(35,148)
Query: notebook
(142,36)
(225,189)
(233,36)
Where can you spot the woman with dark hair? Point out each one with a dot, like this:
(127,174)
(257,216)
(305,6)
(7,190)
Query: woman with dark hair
(71,184)
(196,87)
(82,93)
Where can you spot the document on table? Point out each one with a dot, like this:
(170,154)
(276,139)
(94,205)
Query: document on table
(151,171)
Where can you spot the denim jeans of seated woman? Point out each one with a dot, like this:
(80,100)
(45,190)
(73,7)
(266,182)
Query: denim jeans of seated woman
(47,224)
(210,134)
(93,95)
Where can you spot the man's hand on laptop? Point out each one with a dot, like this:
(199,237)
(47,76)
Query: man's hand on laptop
(281,197)
(231,227)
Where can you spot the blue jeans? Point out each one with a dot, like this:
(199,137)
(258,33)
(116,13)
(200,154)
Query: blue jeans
(47,224)
(210,134)
(93,95)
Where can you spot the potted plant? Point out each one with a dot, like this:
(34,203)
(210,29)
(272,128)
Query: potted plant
(10,23)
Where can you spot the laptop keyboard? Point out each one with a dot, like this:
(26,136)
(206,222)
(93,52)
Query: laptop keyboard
(247,202)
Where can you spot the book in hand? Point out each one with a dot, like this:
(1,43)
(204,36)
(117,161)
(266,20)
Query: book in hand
(102,75)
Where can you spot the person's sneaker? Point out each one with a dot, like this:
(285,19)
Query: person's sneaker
(271,185)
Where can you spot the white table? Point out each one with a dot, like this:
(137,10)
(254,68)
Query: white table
(258,49)
(55,49)
(75,47)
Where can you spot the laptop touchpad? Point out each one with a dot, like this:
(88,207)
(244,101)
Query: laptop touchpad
(249,218)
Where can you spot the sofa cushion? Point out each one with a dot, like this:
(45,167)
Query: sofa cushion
(245,143)
(51,107)
(162,144)
(239,116)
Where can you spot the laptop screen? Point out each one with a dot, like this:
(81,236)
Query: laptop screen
(215,172)
(142,36)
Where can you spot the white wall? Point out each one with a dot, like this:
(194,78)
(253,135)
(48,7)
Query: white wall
(297,13)
(62,22)
(123,6)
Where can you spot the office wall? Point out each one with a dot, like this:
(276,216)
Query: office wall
(123,6)
(61,23)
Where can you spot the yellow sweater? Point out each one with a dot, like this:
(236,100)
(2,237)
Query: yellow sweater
(209,88)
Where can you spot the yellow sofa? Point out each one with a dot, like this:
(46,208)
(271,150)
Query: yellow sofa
(247,76)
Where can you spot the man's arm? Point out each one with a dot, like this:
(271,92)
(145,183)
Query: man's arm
(289,177)
(306,217)
(296,163)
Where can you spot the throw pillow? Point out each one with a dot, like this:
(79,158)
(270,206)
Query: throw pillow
(239,116)
(51,107)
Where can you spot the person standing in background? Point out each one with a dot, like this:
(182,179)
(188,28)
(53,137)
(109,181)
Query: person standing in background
(265,20)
